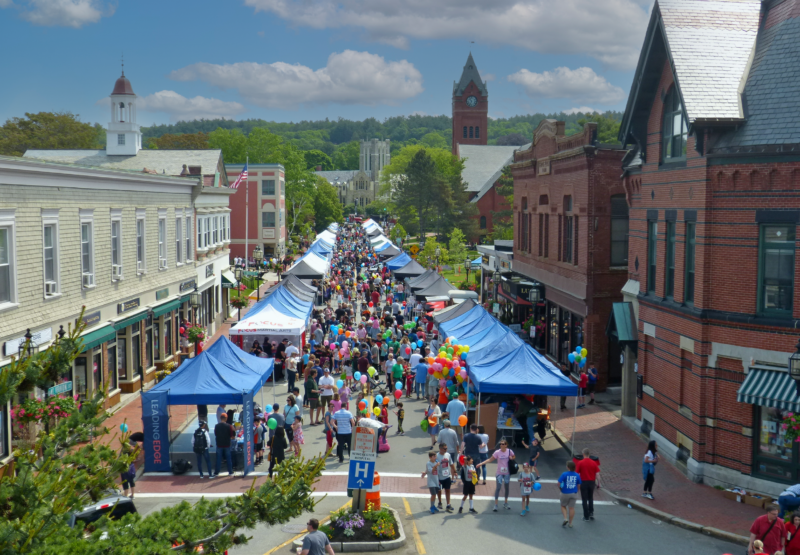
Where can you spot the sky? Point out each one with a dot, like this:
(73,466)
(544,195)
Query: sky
(293,60)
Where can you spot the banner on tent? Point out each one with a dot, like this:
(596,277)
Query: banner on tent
(247,413)
(155,418)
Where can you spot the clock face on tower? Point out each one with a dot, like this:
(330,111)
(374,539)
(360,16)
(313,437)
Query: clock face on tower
(472,101)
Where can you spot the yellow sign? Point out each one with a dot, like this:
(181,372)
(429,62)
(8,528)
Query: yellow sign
(414,249)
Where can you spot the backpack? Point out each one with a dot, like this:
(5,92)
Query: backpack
(181,466)
(200,443)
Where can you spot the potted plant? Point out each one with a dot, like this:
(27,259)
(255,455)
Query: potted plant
(196,334)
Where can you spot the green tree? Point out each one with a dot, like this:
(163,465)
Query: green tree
(316,158)
(188,141)
(434,140)
(327,208)
(346,156)
(428,253)
(503,220)
(73,464)
(457,246)
(47,130)
(397,232)
(607,127)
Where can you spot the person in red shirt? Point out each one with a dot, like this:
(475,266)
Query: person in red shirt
(583,383)
(792,530)
(769,530)
(588,468)
(376,298)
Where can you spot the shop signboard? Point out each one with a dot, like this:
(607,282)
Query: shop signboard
(11,347)
(59,389)
(162,293)
(187,285)
(127,306)
(90,320)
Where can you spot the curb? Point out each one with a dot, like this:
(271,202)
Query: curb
(661,515)
(367,547)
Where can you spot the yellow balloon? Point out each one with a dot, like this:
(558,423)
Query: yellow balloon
(377,411)
(584,352)
(466,348)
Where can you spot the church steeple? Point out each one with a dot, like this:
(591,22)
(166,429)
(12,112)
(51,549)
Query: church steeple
(123,136)
(470,108)
(470,73)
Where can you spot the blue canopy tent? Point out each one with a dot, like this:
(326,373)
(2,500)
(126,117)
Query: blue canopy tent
(493,343)
(224,350)
(398,261)
(476,263)
(383,247)
(202,380)
(446,329)
(286,303)
(467,326)
(522,371)
(320,249)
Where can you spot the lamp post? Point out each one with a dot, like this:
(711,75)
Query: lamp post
(438,254)
(466,267)
(496,281)
(794,366)
(194,299)
(258,256)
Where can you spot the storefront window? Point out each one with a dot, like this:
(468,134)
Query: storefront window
(552,323)
(576,337)
(566,325)
(97,370)
(112,363)
(79,387)
(775,456)
(136,350)
(168,349)
(148,342)
(157,340)
(122,356)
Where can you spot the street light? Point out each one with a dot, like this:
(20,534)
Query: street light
(467,264)
(194,300)
(258,256)
(238,274)
(29,347)
(496,281)
(794,366)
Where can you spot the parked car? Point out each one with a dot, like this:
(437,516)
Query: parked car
(113,504)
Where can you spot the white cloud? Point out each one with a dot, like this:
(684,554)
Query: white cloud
(348,78)
(63,13)
(181,108)
(577,85)
(582,110)
(610,30)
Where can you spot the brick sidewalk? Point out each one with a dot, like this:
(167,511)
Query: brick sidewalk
(621,452)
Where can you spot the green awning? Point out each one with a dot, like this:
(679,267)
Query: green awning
(229,279)
(98,337)
(166,307)
(622,325)
(186,298)
(122,324)
(768,388)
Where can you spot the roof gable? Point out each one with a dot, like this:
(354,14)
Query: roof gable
(470,74)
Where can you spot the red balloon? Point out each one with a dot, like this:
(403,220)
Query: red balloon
(408,350)
(397,393)
(182,330)
(370,304)
(362,405)
(431,371)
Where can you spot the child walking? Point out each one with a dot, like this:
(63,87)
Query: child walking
(410,378)
(297,437)
(535,453)
(401,413)
(568,483)
(432,472)
(329,431)
(525,487)
(469,477)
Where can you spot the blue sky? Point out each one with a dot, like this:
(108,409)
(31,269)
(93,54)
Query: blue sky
(291,60)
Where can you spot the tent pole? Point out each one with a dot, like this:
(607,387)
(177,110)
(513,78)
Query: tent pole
(479,409)
(574,420)
(273,385)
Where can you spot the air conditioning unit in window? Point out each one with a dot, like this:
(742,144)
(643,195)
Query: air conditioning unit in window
(162,264)
(116,272)
(140,267)
(50,288)
(88,280)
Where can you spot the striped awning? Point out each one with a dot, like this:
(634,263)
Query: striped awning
(768,388)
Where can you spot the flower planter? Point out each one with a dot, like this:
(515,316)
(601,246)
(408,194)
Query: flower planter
(370,546)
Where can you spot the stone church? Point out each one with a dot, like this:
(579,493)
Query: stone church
(361,187)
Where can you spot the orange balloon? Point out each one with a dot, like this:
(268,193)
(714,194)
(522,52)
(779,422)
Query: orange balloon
(385,400)
(462,420)
(431,360)
(347,334)
(432,421)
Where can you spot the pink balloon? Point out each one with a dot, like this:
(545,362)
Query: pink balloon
(464,374)
(442,383)
(363,379)
(345,344)
(325,342)
(342,352)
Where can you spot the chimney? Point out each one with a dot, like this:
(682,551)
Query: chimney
(184,171)
(319,168)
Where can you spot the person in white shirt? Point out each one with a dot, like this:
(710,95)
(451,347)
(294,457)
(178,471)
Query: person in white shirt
(291,350)
(415,358)
(326,384)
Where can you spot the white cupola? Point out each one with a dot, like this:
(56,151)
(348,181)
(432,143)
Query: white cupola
(123,137)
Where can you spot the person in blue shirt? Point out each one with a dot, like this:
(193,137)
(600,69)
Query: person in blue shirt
(413,336)
(568,483)
(592,384)
(421,378)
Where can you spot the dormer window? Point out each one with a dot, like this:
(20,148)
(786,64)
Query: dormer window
(674,130)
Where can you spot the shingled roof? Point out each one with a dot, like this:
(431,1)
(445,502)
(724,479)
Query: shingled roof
(470,73)
(484,164)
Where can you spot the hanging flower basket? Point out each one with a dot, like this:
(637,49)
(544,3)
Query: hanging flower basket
(195,334)
(239,302)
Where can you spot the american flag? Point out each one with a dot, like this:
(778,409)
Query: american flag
(242,177)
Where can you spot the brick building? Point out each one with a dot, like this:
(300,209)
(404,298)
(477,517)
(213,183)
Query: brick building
(261,219)
(712,182)
(571,223)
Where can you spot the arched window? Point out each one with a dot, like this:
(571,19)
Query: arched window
(483,222)
(465,131)
(674,130)
(471,132)
(477,132)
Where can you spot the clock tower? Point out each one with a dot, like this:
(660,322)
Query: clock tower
(470,108)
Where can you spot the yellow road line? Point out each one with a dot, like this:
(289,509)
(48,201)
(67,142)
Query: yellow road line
(298,536)
(417,538)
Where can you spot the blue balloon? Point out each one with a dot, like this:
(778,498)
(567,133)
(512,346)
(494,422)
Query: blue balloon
(578,349)
(464,356)
(357,376)
(123,427)
(503,405)
(339,384)
(379,399)
(582,363)
(537,486)
(571,357)
(420,343)
(449,383)
(398,385)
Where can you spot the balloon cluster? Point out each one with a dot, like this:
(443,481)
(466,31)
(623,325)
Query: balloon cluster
(579,356)
(448,365)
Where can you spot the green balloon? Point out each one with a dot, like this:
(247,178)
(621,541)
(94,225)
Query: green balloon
(450,351)
(272,423)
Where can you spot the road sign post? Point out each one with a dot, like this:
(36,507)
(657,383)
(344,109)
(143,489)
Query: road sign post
(362,465)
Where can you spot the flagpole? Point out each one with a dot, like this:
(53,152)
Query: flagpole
(247,219)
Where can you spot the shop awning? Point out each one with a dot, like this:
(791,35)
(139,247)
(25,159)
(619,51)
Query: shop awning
(98,337)
(166,307)
(518,300)
(768,388)
(622,325)
(122,324)
(228,279)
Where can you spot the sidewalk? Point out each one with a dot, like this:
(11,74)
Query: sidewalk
(621,452)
